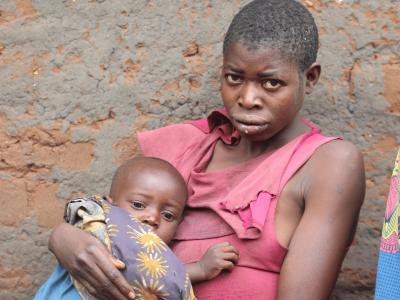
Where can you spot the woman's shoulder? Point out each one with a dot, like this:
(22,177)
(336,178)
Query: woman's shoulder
(170,141)
(336,172)
(338,151)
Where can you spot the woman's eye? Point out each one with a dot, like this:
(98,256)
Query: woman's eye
(137,205)
(233,79)
(271,84)
(168,216)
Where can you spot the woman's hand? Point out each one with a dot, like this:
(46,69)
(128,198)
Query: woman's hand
(89,262)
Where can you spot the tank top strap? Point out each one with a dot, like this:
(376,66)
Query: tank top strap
(253,216)
(304,150)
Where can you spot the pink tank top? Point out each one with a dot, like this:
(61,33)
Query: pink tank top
(235,205)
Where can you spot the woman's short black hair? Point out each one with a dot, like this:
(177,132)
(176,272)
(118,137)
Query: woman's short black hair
(285,25)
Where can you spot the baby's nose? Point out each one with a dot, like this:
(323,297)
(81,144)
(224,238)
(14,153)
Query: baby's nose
(151,220)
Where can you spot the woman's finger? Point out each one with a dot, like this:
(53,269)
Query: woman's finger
(118,263)
(89,287)
(93,279)
(102,287)
(114,284)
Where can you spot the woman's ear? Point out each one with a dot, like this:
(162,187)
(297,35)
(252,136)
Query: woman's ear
(312,75)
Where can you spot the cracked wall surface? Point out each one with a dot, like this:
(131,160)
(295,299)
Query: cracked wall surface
(79,77)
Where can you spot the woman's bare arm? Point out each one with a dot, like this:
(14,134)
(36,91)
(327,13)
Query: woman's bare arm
(89,262)
(333,197)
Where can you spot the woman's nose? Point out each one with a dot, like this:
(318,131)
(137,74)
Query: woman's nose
(250,97)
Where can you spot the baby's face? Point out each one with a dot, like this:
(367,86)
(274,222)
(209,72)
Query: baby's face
(155,198)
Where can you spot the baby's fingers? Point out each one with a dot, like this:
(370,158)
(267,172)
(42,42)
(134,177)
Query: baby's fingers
(231,256)
(227,265)
(231,249)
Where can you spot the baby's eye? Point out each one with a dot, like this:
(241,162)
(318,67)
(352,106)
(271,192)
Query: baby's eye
(168,216)
(271,84)
(233,79)
(137,205)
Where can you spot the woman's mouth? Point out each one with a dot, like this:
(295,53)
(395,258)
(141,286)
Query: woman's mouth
(251,125)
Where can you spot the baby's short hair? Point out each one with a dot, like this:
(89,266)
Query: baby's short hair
(285,25)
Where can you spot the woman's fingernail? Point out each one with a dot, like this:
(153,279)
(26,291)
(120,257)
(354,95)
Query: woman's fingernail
(121,264)
(131,295)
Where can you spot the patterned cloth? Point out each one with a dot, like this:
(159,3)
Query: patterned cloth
(388,274)
(152,269)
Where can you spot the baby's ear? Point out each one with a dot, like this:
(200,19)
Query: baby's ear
(312,75)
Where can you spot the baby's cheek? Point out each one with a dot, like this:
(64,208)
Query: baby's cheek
(167,232)
(172,229)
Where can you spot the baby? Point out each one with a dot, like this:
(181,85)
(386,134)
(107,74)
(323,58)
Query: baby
(145,207)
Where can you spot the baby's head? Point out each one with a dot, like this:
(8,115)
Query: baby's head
(153,191)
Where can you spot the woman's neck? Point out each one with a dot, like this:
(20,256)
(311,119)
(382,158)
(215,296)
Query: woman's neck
(250,149)
(225,156)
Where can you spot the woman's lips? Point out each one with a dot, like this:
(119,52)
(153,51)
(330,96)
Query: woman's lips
(250,119)
(250,126)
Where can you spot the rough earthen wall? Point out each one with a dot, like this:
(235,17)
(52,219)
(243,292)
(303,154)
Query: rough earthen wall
(79,77)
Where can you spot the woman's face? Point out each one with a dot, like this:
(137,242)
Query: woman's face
(261,90)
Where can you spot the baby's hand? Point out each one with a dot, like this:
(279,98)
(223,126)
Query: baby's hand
(219,257)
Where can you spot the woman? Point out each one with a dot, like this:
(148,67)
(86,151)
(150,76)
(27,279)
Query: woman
(259,175)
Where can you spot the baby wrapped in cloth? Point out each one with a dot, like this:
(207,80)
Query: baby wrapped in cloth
(152,269)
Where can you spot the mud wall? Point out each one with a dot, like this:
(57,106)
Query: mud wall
(79,77)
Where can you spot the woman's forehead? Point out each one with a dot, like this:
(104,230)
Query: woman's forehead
(238,56)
